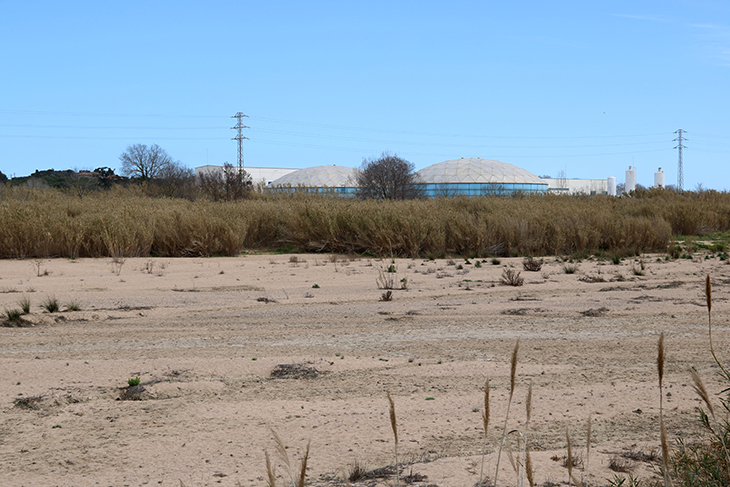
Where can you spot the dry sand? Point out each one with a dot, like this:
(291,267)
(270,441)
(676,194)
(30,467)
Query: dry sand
(205,334)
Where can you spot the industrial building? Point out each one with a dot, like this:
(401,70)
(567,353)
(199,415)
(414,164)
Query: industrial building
(341,180)
(475,177)
(259,175)
(578,186)
(465,176)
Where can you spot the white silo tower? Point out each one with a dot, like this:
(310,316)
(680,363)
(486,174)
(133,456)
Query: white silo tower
(611,186)
(659,178)
(630,180)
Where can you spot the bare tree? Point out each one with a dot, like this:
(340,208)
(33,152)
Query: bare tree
(233,183)
(388,177)
(175,180)
(145,163)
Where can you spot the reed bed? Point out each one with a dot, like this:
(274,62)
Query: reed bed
(124,222)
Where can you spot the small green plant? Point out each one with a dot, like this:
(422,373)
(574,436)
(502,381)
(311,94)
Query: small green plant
(496,261)
(13,317)
(133,381)
(51,305)
(478,263)
(570,269)
(25,305)
(719,247)
(674,251)
(315,286)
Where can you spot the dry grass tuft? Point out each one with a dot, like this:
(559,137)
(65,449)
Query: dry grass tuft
(29,402)
(532,265)
(511,277)
(294,371)
(619,464)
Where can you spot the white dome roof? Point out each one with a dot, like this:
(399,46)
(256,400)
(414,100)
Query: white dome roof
(476,171)
(320,177)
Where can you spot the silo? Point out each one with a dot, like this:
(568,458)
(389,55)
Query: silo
(611,186)
(659,178)
(630,180)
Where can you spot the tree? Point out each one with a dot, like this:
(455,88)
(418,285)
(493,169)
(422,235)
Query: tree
(233,183)
(175,180)
(105,175)
(145,163)
(388,177)
(3,177)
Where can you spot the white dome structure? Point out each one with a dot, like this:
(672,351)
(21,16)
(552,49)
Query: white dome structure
(338,179)
(474,177)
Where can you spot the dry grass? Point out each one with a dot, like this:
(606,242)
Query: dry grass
(127,223)
(511,277)
(532,264)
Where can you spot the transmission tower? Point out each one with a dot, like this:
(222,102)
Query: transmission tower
(680,146)
(239,136)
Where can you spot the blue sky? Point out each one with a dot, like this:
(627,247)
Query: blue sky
(588,88)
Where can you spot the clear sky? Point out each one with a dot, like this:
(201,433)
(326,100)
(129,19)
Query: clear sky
(584,87)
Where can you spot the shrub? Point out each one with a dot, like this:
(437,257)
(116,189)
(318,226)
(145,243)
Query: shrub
(531,264)
(510,277)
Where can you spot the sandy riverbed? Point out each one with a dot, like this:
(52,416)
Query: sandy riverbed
(204,336)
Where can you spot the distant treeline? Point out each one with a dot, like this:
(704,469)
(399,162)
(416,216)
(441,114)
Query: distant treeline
(121,222)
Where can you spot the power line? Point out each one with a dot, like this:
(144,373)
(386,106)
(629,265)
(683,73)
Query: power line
(680,175)
(239,137)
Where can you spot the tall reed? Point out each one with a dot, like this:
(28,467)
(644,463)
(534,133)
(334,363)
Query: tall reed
(128,223)
(394,427)
(513,374)
(663,432)
(485,425)
(296,481)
